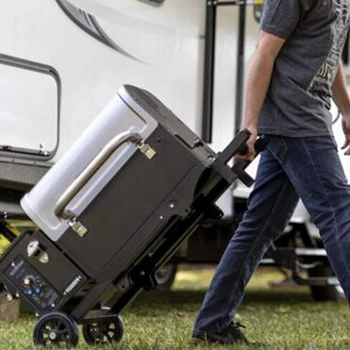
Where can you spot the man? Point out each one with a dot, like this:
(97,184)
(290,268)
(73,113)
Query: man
(295,71)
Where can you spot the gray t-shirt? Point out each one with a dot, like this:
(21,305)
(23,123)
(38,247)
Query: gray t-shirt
(298,100)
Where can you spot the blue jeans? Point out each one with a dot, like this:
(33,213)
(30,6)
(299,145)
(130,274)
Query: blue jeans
(290,168)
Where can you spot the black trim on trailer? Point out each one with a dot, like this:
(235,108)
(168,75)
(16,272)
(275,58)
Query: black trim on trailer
(240,66)
(209,66)
(90,25)
(153,2)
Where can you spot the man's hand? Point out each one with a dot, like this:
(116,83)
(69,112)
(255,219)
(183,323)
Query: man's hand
(251,153)
(346,130)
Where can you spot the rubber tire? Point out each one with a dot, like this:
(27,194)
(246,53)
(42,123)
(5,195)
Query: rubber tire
(61,319)
(117,330)
(165,276)
(325,293)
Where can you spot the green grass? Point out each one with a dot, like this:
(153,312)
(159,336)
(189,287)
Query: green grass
(285,319)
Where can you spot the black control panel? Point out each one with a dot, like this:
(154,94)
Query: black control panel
(32,286)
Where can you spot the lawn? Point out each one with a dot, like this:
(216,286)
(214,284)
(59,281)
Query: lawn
(285,319)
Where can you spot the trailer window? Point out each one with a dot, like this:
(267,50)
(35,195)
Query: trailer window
(29,109)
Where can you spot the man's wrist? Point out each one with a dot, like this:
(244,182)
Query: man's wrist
(252,127)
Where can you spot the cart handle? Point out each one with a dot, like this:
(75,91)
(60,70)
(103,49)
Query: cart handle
(129,136)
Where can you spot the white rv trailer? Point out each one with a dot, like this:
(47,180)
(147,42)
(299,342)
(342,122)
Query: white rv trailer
(61,61)
(81,52)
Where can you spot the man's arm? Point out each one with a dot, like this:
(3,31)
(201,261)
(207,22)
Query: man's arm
(342,100)
(259,78)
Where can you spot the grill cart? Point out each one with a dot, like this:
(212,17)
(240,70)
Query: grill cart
(110,213)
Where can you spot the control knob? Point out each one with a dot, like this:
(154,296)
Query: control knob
(28,281)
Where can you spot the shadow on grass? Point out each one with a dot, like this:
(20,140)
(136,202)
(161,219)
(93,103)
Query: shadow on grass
(278,297)
(194,298)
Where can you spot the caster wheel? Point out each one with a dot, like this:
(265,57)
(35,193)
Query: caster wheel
(104,333)
(165,276)
(56,328)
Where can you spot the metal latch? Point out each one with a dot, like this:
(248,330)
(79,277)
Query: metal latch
(147,150)
(78,227)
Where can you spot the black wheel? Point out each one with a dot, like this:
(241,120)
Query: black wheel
(56,328)
(325,293)
(165,276)
(104,333)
